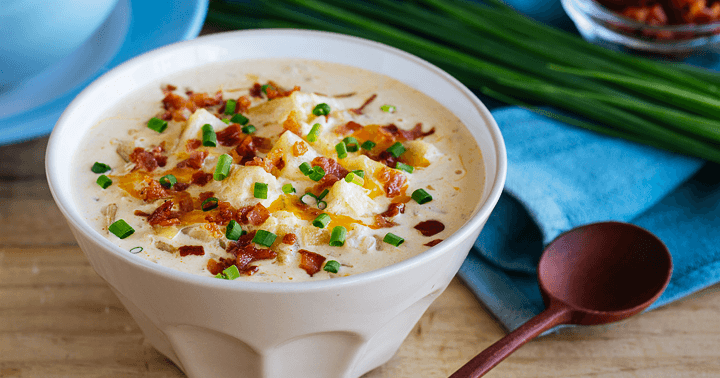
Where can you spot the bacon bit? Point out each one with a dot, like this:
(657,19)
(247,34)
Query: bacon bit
(367,102)
(216,267)
(169,88)
(291,123)
(180,186)
(141,213)
(153,191)
(299,149)
(164,216)
(430,227)
(243,104)
(412,134)
(205,195)
(149,160)
(246,253)
(330,166)
(383,222)
(289,239)
(167,116)
(203,100)
(278,92)
(326,182)
(247,150)
(195,161)
(311,262)
(256,90)
(394,209)
(386,158)
(175,106)
(222,215)
(196,250)
(393,181)
(348,127)
(201,178)
(185,202)
(230,135)
(433,243)
(258,214)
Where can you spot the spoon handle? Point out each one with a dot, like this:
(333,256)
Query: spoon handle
(487,359)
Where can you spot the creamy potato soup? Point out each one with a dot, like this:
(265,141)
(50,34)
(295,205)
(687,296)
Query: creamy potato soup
(277,170)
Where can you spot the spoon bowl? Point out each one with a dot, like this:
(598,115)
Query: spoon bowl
(594,274)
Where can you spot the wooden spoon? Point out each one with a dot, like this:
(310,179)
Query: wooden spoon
(594,274)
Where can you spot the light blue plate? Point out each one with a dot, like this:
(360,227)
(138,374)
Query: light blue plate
(135,26)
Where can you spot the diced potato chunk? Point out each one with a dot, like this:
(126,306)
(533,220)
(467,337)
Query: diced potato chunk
(351,200)
(292,162)
(193,127)
(238,187)
(421,154)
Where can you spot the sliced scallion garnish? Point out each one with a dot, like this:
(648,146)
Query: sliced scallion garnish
(337,237)
(168,181)
(306,168)
(396,149)
(104,181)
(209,139)
(404,167)
(260,190)
(230,106)
(288,188)
(341,150)
(231,272)
(323,194)
(136,250)
(264,238)
(100,168)
(393,239)
(233,231)
(321,109)
(222,169)
(317,173)
(368,145)
(332,266)
(121,229)
(249,129)
(309,199)
(239,119)
(313,134)
(388,108)
(421,196)
(209,204)
(226,121)
(355,179)
(322,205)
(351,144)
(157,124)
(321,220)
(359,172)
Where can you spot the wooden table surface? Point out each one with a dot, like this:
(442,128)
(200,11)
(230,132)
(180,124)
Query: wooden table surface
(60,319)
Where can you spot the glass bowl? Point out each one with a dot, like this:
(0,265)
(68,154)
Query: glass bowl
(608,28)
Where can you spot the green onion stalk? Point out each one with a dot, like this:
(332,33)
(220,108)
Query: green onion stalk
(507,56)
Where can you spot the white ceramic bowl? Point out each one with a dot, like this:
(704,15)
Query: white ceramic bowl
(342,327)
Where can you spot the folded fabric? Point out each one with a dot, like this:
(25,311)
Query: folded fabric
(560,177)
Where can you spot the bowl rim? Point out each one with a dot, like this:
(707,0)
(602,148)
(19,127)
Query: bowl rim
(65,202)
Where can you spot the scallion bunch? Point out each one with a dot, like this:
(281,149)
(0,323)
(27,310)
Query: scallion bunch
(496,51)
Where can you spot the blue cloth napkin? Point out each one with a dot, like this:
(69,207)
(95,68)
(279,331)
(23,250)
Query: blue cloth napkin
(560,177)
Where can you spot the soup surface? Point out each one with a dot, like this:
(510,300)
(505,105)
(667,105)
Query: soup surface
(277,170)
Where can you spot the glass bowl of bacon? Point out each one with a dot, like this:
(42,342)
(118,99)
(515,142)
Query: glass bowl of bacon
(663,27)
(212,326)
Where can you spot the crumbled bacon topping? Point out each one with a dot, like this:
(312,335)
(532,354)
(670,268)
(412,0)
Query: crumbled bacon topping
(245,253)
(192,144)
(412,134)
(430,227)
(433,243)
(176,105)
(255,215)
(330,166)
(311,262)
(367,102)
(393,210)
(256,90)
(149,160)
(222,215)
(250,146)
(289,238)
(348,128)
(230,135)
(392,180)
(153,191)
(196,250)
(276,92)
(195,160)
(201,178)
(164,215)
(299,148)
(243,104)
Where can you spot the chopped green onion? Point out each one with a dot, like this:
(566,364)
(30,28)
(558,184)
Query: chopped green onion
(227,121)
(306,168)
(121,229)
(209,204)
(317,173)
(388,108)
(323,194)
(220,276)
(368,145)
(337,237)
(100,167)
(264,238)
(260,190)
(309,199)
(265,87)
(351,143)
(404,167)
(396,149)
(321,220)
(332,266)
(288,188)
(321,109)
(421,196)
(249,129)
(136,250)
(313,134)
(222,169)
(233,231)
(355,179)
(359,172)
(168,181)
(230,107)
(239,119)
(209,139)
(157,124)
(393,239)
(104,181)
(341,150)
(231,272)
(322,205)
